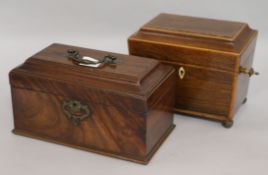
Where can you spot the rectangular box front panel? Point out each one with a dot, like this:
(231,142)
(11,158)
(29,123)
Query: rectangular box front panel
(202,90)
(106,128)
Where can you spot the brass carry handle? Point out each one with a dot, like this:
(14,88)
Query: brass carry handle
(79,59)
(75,111)
(247,71)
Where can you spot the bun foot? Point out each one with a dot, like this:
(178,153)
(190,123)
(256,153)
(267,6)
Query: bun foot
(245,100)
(227,123)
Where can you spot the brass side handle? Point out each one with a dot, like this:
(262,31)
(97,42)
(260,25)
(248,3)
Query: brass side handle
(75,111)
(247,71)
(181,73)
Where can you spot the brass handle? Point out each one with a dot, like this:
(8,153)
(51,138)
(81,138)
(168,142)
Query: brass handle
(75,111)
(181,73)
(247,71)
(92,62)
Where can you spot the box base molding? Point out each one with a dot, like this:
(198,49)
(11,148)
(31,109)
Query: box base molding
(141,160)
(200,115)
(226,122)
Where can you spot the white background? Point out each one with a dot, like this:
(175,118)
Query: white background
(195,147)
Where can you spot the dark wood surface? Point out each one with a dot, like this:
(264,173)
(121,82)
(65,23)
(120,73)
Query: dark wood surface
(182,54)
(210,51)
(199,27)
(223,36)
(131,108)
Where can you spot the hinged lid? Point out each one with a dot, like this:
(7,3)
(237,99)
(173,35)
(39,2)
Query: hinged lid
(197,32)
(134,76)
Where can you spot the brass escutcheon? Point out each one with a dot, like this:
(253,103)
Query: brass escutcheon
(181,72)
(75,111)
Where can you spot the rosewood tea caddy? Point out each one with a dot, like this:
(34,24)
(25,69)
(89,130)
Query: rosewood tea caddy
(213,60)
(107,103)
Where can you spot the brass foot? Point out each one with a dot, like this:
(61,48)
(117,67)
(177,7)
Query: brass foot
(227,123)
(245,100)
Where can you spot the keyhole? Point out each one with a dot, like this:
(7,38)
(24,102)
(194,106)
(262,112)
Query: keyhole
(74,104)
(181,72)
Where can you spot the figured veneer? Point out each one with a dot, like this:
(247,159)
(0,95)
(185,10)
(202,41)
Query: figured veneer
(208,56)
(129,105)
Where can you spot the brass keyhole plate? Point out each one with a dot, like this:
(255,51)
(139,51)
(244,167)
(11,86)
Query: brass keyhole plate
(75,111)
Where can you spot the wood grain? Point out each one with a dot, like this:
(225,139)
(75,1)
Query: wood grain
(211,52)
(129,118)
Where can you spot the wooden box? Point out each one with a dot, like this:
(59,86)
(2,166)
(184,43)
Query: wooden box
(122,109)
(213,59)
